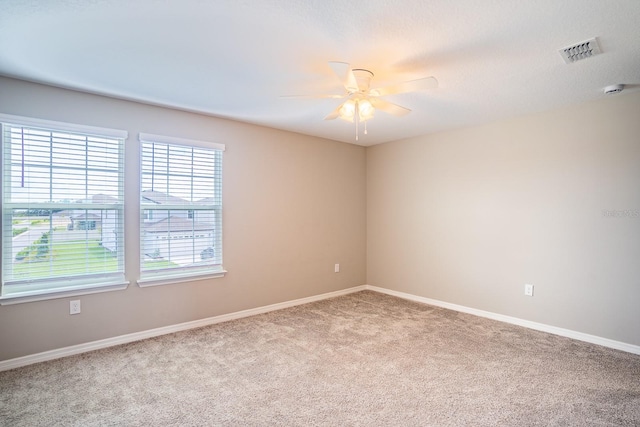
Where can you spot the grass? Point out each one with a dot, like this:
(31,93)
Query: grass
(17,231)
(69,258)
(156,264)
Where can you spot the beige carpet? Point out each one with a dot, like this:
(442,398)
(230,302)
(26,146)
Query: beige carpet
(365,359)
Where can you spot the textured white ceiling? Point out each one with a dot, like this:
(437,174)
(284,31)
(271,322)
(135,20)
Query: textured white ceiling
(235,59)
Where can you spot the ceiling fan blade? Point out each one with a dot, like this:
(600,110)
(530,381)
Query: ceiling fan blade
(410,86)
(389,107)
(335,113)
(345,74)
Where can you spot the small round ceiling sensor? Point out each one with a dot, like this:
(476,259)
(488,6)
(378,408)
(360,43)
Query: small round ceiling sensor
(610,90)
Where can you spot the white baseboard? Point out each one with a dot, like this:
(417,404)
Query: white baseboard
(618,345)
(137,336)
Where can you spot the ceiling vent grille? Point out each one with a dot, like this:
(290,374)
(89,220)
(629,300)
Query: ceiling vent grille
(582,50)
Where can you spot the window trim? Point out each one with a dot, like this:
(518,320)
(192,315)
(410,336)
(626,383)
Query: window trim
(149,137)
(167,279)
(70,291)
(73,286)
(64,126)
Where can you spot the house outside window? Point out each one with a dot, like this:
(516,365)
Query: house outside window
(180,209)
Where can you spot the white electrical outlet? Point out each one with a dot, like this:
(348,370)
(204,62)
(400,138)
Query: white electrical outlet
(336,268)
(74,307)
(528,290)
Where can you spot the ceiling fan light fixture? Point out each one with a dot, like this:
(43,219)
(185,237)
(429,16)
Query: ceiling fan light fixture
(362,109)
(365,110)
(348,110)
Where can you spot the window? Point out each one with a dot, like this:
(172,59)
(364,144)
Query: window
(180,209)
(62,209)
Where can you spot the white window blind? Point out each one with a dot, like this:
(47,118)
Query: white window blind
(180,207)
(62,207)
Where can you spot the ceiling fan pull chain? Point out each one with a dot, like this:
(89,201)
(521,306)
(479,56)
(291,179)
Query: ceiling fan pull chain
(365,127)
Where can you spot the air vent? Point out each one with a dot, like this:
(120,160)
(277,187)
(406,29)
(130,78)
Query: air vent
(582,50)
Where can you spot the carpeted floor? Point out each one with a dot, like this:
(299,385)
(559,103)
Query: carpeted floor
(365,359)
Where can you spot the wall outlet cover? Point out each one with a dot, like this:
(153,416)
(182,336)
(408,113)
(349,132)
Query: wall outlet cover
(74,307)
(528,290)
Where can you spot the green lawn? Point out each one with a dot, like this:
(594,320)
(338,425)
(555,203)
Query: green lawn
(72,258)
(67,259)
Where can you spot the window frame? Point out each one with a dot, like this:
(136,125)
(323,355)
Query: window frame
(62,286)
(186,274)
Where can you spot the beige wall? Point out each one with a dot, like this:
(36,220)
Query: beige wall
(470,216)
(465,217)
(293,207)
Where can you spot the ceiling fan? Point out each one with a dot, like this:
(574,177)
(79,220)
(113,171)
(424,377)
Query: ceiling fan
(362,101)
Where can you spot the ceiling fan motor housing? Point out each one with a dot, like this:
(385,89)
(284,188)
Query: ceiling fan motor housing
(363,77)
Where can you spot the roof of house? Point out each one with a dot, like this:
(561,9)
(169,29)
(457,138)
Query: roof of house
(206,201)
(176,224)
(161,198)
(103,198)
(85,216)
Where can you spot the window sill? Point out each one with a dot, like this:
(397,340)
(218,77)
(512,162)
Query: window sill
(21,297)
(171,280)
